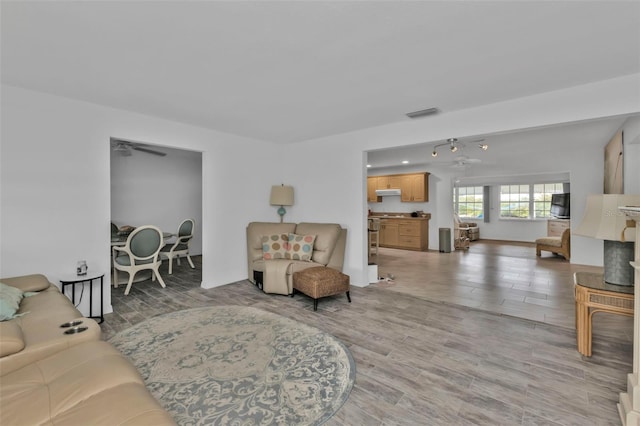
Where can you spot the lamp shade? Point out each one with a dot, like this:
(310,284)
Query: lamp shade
(281,195)
(603,220)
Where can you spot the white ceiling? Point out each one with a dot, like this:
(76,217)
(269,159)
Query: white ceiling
(292,71)
(509,154)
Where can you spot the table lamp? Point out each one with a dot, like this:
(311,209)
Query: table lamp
(604,221)
(281,195)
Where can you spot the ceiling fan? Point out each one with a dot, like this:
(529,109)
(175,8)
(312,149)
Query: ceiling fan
(124,148)
(464,161)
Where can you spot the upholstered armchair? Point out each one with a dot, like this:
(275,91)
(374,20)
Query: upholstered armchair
(556,245)
(464,232)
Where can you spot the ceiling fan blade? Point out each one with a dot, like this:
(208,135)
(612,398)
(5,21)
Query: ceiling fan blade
(149,151)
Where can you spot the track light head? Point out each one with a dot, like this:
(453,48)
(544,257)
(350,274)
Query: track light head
(484,146)
(453,148)
(434,153)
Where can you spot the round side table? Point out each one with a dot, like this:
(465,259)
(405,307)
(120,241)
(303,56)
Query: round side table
(88,278)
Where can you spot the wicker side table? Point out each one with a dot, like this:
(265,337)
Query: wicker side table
(594,295)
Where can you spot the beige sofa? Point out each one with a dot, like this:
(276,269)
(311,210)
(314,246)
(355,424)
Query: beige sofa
(276,276)
(49,377)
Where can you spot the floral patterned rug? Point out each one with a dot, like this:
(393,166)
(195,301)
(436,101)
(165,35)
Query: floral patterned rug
(239,365)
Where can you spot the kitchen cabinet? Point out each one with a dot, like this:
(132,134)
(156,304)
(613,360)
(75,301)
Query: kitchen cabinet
(372,185)
(390,181)
(405,233)
(414,187)
(388,233)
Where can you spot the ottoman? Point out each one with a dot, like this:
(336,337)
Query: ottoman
(321,281)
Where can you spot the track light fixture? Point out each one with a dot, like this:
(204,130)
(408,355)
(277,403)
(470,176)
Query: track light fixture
(454,145)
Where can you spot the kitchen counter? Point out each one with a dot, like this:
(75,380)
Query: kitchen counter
(400,230)
(426,216)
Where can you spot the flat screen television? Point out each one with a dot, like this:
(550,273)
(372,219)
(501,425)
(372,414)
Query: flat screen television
(560,207)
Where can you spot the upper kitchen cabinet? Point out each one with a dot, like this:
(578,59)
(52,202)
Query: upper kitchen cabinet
(414,187)
(390,182)
(372,185)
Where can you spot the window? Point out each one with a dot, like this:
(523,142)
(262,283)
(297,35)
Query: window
(514,201)
(542,198)
(467,201)
(528,201)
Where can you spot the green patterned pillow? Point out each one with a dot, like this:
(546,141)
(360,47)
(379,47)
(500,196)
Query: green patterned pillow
(10,298)
(300,247)
(275,246)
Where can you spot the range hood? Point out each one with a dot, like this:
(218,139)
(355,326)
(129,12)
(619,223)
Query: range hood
(385,192)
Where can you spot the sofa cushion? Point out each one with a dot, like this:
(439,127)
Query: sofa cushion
(550,241)
(327,235)
(300,247)
(91,383)
(10,298)
(275,246)
(11,339)
(41,329)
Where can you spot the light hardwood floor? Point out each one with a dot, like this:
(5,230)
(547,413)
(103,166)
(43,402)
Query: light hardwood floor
(429,358)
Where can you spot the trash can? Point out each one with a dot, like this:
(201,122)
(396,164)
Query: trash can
(445,240)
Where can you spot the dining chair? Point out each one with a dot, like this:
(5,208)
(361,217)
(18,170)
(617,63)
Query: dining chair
(140,252)
(181,246)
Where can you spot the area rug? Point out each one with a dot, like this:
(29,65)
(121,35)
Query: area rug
(239,365)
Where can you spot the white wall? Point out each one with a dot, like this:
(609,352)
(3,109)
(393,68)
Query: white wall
(333,169)
(631,157)
(162,191)
(55,185)
(55,182)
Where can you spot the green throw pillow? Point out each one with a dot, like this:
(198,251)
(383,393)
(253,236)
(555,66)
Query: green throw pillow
(10,298)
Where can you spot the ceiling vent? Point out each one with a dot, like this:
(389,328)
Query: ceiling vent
(422,113)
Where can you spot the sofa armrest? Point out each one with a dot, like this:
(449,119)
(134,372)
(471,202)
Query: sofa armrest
(34,282)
